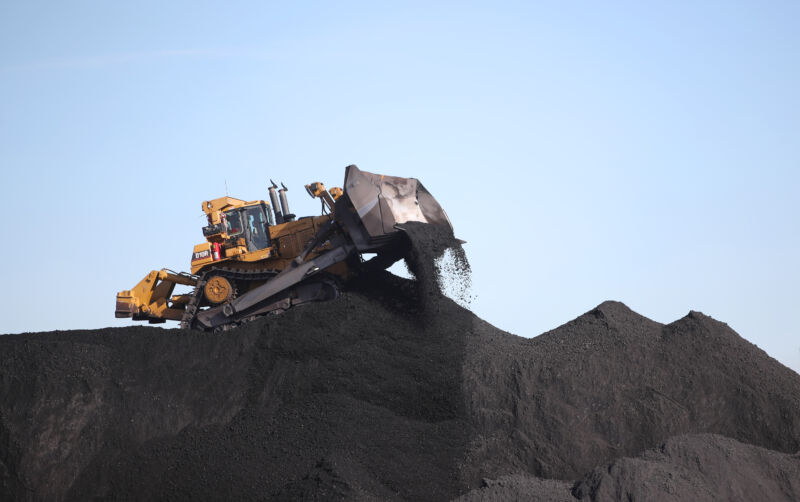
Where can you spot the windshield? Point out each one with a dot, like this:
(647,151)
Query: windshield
(257,225)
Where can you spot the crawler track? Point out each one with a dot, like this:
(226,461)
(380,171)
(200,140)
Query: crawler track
(242,279)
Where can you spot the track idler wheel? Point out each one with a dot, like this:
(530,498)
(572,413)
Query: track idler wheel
(218,290)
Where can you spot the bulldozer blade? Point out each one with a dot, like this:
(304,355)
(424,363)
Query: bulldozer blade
(380,202)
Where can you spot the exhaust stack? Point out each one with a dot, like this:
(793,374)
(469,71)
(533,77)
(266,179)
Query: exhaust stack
(276,206)
(287,216)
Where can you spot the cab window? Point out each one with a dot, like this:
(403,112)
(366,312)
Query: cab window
(233,223)
(257,227)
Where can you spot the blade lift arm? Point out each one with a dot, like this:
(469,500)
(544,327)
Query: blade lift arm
(328,197)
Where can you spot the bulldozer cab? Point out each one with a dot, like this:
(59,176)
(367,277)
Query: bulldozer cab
(250,223)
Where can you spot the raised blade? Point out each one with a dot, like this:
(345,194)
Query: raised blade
(380,202)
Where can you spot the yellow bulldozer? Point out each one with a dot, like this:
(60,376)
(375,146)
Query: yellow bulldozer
(259,258)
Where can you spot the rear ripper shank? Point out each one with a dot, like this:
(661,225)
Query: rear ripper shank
(259,259)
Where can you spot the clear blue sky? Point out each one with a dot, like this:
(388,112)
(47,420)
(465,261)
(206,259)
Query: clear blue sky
(647,152)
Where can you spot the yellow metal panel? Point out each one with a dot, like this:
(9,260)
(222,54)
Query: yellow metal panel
(261,254)
(220,204)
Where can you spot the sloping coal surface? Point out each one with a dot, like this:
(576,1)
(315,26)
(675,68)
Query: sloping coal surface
(389,392)
(612,383)
(697,467)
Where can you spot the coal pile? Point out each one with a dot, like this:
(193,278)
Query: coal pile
(612,383)
(697,467)
(394,392)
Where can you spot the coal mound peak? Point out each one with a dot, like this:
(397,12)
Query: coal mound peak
(393,392)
